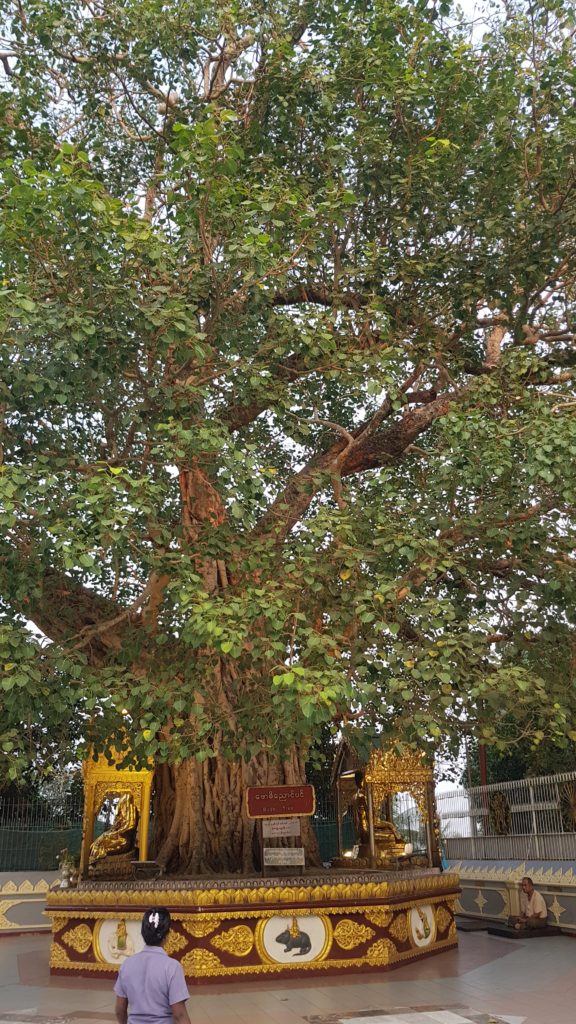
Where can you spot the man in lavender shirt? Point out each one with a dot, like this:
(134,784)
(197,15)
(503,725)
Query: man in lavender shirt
(150,988)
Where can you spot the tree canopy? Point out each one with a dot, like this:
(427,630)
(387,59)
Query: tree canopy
(287,351)
(551,656)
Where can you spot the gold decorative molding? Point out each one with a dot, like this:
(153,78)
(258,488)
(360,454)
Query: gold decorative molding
(416,951)
(201,961)
(443,918)
(214,967)
(349,934)
(379,916)
(270,968)
(25,888)
(425,899)
(202,926)
(392,769)
(238,940)
(79,938)
(388,773)
(174,942)
(199,927)
(59,957)
(399,928)
(379,954)
(95,914)
(424,883)
(236,926)
(357,891)
(5,905)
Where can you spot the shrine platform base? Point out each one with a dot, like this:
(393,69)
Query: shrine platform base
(258,928)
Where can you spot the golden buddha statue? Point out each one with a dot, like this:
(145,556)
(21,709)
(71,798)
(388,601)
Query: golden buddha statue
(120,837)
(387,840)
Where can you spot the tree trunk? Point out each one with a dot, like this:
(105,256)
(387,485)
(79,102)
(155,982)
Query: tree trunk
(200,821)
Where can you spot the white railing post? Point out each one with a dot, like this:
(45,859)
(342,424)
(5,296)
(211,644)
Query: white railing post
(534,822)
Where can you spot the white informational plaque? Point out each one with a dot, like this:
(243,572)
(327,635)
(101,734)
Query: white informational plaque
(273,828)
(278,857)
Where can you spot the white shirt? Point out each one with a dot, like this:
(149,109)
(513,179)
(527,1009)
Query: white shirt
(533,905)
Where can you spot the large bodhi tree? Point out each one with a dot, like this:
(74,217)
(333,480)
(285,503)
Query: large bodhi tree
(287,392)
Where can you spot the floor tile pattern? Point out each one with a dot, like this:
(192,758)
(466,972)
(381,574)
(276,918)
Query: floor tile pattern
(400,1015)
(77,1017)
(416,1015)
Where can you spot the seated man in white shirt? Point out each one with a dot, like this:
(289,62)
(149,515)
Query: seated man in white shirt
(533,909)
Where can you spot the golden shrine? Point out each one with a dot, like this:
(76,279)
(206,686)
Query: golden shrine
(104,779)
(368,792)
(354,918)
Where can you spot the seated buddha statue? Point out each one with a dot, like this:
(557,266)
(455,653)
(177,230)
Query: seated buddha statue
(120,837)
(387,839)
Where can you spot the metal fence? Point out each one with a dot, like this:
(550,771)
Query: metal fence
(530,819)
(33,831)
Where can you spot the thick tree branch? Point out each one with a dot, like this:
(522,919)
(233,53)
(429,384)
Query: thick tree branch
(319,295)
(62,609)
(372,451)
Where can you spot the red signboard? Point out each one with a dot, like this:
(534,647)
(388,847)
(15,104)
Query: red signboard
(280,801)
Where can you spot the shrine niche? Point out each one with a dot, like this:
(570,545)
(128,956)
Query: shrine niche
(127,792)
(368,791)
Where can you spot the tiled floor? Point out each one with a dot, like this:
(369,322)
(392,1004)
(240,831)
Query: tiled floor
(487,979)
(428,1015)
